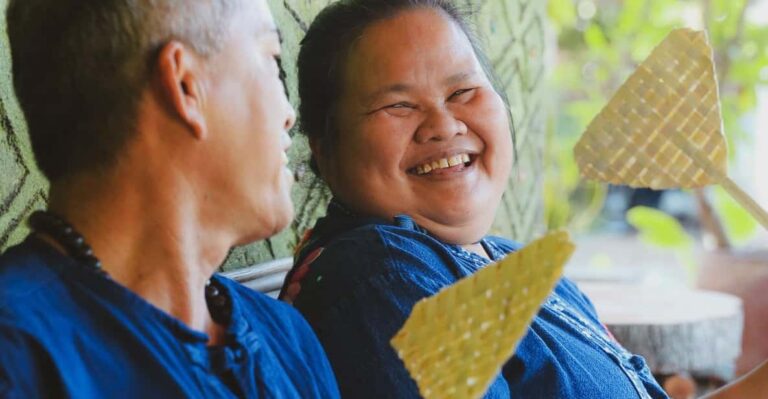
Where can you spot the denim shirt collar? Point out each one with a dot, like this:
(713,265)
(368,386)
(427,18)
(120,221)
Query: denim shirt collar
(340,218)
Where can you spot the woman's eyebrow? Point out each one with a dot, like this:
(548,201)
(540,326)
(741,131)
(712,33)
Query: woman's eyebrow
(404,88)
(459,77)
(393,88)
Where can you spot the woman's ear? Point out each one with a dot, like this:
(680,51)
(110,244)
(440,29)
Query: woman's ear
(316,145)
(179,71)
(318,162)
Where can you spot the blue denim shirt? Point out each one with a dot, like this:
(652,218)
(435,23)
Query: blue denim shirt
(69,332)
(356,280)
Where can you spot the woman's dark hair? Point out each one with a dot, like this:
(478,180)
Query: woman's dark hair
(328,42)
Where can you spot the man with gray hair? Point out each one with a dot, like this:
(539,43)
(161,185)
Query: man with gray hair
(162,128)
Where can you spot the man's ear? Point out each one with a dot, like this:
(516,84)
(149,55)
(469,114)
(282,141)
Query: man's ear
(178,70)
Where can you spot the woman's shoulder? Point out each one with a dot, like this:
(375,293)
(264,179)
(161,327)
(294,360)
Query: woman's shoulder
(569,291)
(377,248)
(265,310)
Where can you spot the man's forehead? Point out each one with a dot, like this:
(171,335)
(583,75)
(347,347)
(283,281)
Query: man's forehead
(265,26)
(275,32)
(265,23)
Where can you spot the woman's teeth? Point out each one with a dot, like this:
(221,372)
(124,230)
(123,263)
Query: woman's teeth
(442,164)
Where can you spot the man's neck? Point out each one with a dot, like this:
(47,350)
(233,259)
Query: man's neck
(151,241)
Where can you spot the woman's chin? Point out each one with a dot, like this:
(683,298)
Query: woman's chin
(460,236)
(462,231)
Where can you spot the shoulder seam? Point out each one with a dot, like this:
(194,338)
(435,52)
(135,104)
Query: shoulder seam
(390,258)
(4,304)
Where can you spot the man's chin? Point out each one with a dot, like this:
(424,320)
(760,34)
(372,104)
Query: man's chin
(269,225)
(280,226)
(281,219)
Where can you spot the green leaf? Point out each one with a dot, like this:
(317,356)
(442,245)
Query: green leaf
(595,38)
(738,223)
(657,228)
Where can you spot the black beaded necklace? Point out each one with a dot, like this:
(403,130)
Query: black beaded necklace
(74,244)
(64,234)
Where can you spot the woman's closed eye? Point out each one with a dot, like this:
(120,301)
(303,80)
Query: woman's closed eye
(400,105)
(399,109)
(462,94)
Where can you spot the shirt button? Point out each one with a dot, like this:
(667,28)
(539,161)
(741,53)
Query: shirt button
(404,221)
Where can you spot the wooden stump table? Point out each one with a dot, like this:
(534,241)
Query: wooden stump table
(677,331)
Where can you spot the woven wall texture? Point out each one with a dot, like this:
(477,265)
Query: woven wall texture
(513,32)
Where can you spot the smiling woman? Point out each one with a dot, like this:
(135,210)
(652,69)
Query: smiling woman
(412,137)
(407,104)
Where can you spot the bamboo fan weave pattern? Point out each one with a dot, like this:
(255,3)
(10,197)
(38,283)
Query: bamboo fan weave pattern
(663,128)
(455,342)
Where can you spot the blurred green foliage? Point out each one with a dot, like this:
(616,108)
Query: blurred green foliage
(600,42)
(658,229)
(739,225)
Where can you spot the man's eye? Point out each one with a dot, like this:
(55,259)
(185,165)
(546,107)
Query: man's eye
(279,63)
(281,72)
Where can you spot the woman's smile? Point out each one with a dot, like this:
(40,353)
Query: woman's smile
(443,165)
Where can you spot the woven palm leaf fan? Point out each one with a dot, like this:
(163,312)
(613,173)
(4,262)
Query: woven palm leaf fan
(663,127)
(455,342)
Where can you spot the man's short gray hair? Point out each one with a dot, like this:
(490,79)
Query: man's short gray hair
(80,67)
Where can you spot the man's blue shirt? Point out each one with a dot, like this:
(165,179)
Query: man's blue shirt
(67,331)
(356,281)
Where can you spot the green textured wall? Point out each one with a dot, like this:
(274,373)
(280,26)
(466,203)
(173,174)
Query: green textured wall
(513,31)
(22,188)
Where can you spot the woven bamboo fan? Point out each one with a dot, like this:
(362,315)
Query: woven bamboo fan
(455,342)
(663,128)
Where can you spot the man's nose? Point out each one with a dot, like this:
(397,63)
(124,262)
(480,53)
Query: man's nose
(290,119)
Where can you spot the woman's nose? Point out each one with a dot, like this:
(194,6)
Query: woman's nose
(440,125)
